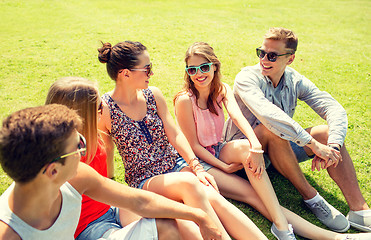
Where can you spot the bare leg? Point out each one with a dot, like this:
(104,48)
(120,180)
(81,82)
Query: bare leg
(237,188)
(344,174)
(187,229)
(167,229)
(284,160)
(127,217)
(184,187)
(235,221)
(263,187)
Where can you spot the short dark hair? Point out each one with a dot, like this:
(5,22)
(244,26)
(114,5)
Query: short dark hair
(32,137)
(288,36)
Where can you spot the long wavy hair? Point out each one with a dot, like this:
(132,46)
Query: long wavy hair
(204,50)
(81,95)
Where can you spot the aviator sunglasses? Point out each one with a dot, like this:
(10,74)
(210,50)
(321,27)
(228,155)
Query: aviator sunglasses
(204,68)
(81,149)
(147,69)
(271,56)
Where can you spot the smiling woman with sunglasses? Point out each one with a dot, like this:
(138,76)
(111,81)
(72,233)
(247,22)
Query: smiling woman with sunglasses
(136,118)
(199,111)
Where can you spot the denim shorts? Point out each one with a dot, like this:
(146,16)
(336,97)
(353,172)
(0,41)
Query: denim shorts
(218,147)
(109,224)
(98,227)
(179,165)
(143,229)
(299,152)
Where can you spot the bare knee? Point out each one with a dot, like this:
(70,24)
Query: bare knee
(266,137)
(190,184)
(167,229)
(237,149)
(320,133)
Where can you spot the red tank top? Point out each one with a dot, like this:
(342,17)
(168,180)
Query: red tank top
(91,209)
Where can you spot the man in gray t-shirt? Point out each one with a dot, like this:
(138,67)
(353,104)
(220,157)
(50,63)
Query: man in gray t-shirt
(267,94)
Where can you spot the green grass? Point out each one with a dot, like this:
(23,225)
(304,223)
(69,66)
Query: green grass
(42,41)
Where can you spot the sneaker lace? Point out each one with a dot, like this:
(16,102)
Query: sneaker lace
(321,206)
(291,232)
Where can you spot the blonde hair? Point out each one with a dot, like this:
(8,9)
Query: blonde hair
(204,50)
(81,95)
(288,36)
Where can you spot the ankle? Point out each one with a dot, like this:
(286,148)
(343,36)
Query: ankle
(316,197)
(360,207)
(281,226)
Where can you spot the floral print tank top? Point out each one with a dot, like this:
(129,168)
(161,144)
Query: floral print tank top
(143,145)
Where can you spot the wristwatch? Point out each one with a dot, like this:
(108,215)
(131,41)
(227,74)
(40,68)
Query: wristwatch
(335,147)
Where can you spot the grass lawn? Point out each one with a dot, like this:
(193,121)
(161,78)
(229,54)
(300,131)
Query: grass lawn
(42,41)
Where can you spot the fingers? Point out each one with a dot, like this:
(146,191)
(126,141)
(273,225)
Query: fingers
(256,170)
(316,163)
(202,179)
(213,183)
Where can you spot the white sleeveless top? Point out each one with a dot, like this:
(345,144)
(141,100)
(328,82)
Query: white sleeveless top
(63,228)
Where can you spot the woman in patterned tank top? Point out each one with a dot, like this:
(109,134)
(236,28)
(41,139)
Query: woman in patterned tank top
(136,119)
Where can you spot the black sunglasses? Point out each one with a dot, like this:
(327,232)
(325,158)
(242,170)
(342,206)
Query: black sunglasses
(204,68)
(271,56)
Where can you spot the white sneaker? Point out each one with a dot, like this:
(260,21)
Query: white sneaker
(329,216)
(361,222)
(283,235)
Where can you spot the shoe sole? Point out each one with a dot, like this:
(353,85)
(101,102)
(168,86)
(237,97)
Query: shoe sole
(360,227)
(274,234)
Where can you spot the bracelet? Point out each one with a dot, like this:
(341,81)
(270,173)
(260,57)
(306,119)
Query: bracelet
(192,162)
(195,165)
(256,151)
(198,168)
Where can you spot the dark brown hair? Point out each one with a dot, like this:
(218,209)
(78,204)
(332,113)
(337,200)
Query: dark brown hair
(32,137)
(123,55)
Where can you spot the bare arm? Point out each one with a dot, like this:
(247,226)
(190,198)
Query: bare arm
(255,160)
(185,118)
(238,119)
(177,138)
(104,125)
(7,233)
(143,203)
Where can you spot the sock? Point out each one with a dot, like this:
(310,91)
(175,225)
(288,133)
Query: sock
(315,199)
